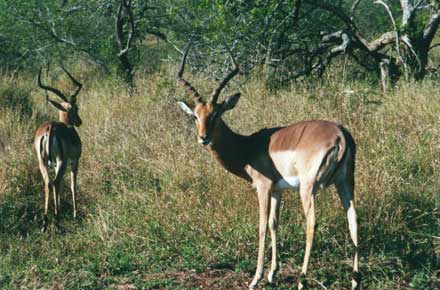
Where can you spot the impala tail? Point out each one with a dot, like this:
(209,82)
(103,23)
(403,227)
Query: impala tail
(349,156)
(339,158)
(49,145)
(330,163)
(350,144)
(44,143)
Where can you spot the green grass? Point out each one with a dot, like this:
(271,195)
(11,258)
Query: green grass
(157,212)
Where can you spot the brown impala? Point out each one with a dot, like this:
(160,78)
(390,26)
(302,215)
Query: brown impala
(305,156)
(58,144)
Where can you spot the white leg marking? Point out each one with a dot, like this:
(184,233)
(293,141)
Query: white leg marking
(273,226)
(263,200)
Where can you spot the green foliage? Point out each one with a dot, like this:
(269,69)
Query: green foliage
(284,37)
(53,31)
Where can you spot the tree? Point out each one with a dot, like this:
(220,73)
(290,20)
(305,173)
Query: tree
(257,31)
(403,48)
(125,43)
(107,32)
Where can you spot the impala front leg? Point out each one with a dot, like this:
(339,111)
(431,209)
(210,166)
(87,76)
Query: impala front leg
(273,226)
(263,200)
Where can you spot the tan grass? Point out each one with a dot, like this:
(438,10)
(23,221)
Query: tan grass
(144,179)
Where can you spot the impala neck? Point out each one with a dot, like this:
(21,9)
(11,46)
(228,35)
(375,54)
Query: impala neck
(229,148)
(64,118)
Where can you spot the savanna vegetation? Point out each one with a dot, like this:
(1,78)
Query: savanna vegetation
(155,209)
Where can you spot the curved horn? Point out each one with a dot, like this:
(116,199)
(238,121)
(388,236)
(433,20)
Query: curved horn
(77,83)
(216,92)
(50,89)
(193,92)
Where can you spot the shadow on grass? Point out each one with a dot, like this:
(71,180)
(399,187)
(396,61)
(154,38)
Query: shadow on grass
(411,239)
(22,212)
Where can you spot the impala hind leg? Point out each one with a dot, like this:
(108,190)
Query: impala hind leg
(346,193)
(47,185)
(308,202)
(73,174)
(273,227)
(263,201)
(59,172)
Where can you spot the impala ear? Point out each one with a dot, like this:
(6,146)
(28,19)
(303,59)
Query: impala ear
(230,102)
(57,106)
(187,109)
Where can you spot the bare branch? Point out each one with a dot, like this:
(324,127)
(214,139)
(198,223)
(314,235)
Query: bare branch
(351,26)
(384,74)
(387,8)
(404,2)
(119,25)
(405,39)
(353,8)
(127,5)
(407,11)
(216,92)
(384,40)
(417,6)
(296,9)
(49,31)
(434,46)
(343,47)
(337,11)
(432,26)
(124,47)
(55,35)
(350,40)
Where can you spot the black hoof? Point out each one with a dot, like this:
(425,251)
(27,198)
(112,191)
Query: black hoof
(58,229)
(302,283)
(356,283)
(45,223)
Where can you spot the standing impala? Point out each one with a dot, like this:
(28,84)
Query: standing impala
(305,155)
(58,144)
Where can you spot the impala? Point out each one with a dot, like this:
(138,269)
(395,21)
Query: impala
(305,156)
(58,145)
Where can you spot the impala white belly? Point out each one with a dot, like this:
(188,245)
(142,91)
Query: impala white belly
(288,182)
(285,162)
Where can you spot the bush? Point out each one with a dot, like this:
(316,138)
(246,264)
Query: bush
(17,99)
